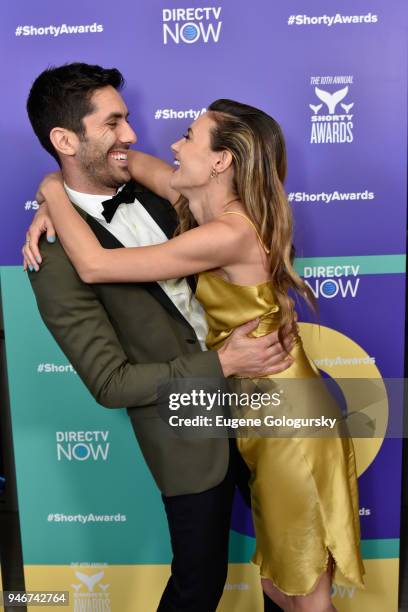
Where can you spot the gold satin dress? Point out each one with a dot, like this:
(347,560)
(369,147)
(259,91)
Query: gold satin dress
(304,490)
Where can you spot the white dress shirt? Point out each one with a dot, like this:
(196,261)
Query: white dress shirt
(134,227)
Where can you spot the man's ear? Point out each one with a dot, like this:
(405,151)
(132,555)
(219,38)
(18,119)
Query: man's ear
(224,161)
(64,141)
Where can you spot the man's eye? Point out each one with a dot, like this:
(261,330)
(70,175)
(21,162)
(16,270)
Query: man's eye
(114,124)
(186,136)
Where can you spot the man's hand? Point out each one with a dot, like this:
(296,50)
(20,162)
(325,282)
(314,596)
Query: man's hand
(253,357)
(41,223)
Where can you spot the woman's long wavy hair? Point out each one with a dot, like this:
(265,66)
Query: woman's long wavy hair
(257,146)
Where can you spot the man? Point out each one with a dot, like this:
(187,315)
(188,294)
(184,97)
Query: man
(124,338)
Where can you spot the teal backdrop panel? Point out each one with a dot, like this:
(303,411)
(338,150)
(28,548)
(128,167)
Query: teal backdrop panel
(84,489)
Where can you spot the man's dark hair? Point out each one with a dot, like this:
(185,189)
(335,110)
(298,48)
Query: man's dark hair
(61,97)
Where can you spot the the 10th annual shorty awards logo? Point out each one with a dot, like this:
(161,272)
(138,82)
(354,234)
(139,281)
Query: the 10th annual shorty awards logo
(332,119)
(91,592)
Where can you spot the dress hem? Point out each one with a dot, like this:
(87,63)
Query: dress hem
(356,583)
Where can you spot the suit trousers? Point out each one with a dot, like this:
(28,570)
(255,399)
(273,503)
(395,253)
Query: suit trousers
(199,530)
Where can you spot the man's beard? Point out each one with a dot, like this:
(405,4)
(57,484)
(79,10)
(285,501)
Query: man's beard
(95,164)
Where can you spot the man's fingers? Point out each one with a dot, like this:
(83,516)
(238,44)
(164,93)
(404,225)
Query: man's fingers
(245,329)
(276,354)
(288,328)
(273,337)
(280,359)
(275,358)
(276,369)
(276,348)
(272,370)
(289,342)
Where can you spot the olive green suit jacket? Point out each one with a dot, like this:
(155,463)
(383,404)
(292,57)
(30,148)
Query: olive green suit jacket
(123,339)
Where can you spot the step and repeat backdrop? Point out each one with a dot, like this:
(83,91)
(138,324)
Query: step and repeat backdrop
(334,75)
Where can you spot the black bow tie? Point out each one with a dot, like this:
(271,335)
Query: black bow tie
(126,195)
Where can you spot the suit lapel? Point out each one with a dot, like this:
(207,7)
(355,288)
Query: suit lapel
(109,241)
(165,216)
(160,211)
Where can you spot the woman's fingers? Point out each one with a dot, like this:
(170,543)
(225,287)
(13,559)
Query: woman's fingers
(50,230)
(29,258)
(34,237)
(31,252)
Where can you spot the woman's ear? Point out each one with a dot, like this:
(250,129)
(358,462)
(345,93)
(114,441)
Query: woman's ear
(64,141)
(224,161)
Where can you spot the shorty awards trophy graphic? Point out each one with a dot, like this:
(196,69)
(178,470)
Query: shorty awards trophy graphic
(333,127)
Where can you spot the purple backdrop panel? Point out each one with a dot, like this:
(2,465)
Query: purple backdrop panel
(179,61)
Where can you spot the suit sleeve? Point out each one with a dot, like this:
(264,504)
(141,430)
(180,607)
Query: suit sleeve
(80,325)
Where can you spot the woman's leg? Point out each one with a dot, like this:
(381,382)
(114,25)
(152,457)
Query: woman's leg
(275,594)
(317,601)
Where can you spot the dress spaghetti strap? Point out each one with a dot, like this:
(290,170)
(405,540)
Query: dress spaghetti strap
(231,212)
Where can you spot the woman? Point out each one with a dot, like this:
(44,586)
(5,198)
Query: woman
(230,168)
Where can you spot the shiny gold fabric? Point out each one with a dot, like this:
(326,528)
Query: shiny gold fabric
(304,490)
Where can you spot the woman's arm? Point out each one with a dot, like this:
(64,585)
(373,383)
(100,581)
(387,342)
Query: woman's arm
(152,172)
(212,245)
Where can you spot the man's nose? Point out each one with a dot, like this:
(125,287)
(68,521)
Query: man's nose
(128,135)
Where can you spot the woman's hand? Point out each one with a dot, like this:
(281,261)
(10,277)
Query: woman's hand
(49,179)
(41,224)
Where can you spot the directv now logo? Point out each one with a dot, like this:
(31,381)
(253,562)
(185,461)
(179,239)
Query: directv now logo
(190,25)
(332,281)
(82,445)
